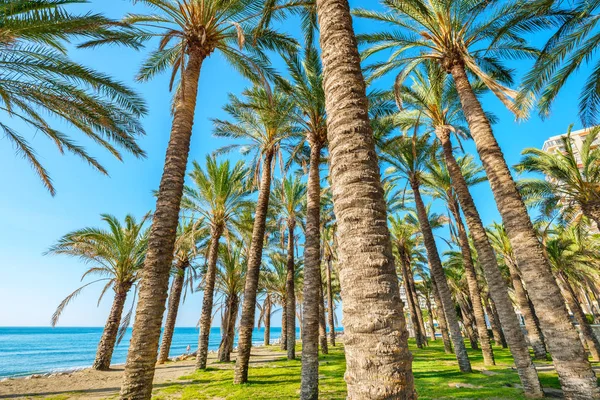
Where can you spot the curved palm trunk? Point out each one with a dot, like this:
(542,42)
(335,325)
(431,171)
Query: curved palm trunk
(441,316)
(373,319)
(498,289)
(430,320)
(309,387)
(322,324)
(208,296)
(474,290)
(536,339)
(172,310)
(495,324)
(330,311)
(111,330)
(577,378)
(252,273)
(410,300)
(226,346)
(468,322)
(143,347)
(290,303)
(442,284)
(586,331)
(267,307)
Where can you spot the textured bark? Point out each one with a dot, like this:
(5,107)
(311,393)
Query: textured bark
(143,347)
(468,321)
(586,331)
(252,273)
(474,290)
(442,284)
(111,329)
(378,362)
(536,339)
(290,303)
(172,310)
(267,306)
(592,211)
(418,308)
(208,296)
(441,317)
(498,289)
(322,323)
(283,338)
(232,304)
(430,312)
(495,324)
(309,388)
(330,309)
(575,373)
(410,302)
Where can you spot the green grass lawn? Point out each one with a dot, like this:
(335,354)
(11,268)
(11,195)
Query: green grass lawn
(436,377)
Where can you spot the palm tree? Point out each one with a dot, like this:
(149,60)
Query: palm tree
(190,234)
(260,117)
(408,157)
(218,193)
(39,78)
(117,256)
(426,288)
(366,264)
(189,31)
(230,283)
(467,39)
(329,254)
(287,199)
(572,176)
(501,244)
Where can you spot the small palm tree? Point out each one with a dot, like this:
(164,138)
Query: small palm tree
(39,80)
(117,256)
(218,193)
(261,117)
(572,177)
(191,236)
(288,200)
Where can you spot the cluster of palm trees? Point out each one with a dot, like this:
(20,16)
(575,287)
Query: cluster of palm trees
(376,233)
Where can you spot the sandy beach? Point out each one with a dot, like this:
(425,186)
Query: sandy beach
(91,384)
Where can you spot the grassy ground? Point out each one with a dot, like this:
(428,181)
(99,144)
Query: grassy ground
(436,377)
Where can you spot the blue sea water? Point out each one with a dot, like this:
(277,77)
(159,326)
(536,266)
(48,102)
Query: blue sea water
(34,350)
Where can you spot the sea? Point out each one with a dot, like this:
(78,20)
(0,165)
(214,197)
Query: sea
(37,350)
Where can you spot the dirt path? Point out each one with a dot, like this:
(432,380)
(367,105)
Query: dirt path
(90,384)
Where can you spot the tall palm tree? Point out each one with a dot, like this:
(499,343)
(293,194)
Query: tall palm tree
(117,256)
(218,194)
(190,235)
(466,39)
(408,156)
(189,31)
(230,283)
(501,244)
(572,176)
(367,273)
(261,119)
(439,180)
(39,79)
(288,198)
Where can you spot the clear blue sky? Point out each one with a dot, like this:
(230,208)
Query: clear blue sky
(32,285)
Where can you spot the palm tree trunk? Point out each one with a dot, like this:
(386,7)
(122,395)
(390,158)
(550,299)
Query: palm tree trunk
(252,273)
(283,338)
(440,279)
(172,310)
(322,324)
(592,211)
(111,330)
(495,324)
(468,322)
(209,292)
(226,346)
(441,316)
(410,300)
(575,373)
(430,312)
(586,331)
(143,347)
(474,290)
(498,289)
(290,303)
(267,307)
(417,308)
(374,324)
(536,339)
(330,303)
